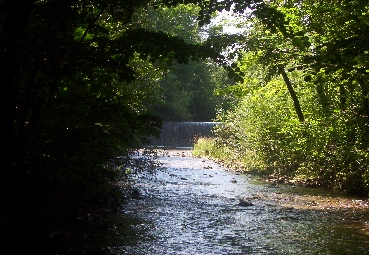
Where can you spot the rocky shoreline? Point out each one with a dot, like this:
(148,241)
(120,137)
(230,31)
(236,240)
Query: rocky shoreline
(348,207)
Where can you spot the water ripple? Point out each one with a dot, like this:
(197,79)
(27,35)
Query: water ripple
(193,208)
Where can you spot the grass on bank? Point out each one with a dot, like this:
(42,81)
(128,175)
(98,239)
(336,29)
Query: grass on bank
(207,147)
(246,161)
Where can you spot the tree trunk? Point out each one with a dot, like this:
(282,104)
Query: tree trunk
(296,102)
(323,99)
(364,94)
(343,97)
(365,104)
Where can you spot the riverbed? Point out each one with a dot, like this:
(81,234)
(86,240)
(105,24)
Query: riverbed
(195,206)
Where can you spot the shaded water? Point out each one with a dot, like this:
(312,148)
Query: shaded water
(192,207)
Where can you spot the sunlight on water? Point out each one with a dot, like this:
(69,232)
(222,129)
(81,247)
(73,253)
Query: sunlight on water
(193,207)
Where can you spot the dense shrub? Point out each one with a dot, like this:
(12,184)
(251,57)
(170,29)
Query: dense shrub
(263,133)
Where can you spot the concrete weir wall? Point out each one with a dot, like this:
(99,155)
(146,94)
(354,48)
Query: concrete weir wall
(182,134)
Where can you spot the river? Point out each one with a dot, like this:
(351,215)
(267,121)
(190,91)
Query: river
(195,206)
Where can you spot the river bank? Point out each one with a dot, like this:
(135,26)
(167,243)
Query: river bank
(312,195)
(298,196)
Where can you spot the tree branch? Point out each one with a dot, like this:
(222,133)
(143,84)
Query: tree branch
(293,94)
(92,22)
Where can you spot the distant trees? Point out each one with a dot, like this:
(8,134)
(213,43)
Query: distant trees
(187,90)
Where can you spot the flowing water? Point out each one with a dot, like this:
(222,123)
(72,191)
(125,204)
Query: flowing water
(193,206)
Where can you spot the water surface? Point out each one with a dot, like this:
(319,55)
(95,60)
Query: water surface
(193,207)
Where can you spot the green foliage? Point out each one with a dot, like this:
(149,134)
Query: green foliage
(79,81)
(189,92)
(262,133)
(203,147)
(187,89)
(325,64)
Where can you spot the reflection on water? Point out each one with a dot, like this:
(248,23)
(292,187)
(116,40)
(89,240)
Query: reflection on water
(192,207)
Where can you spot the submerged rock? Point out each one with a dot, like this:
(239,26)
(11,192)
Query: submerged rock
(243,202)
(135,193)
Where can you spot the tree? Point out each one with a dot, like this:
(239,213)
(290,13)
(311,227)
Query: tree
(71,98)
(76,85)
(322,52)
(187,89)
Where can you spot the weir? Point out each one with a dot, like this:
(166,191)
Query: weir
(182,134)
